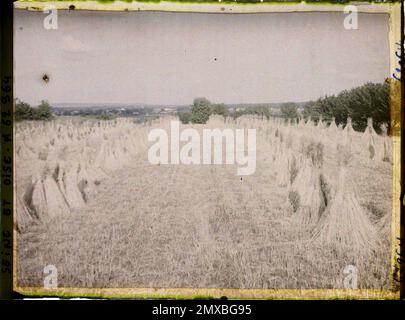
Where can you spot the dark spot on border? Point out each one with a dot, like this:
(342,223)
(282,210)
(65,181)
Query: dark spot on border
(72,7)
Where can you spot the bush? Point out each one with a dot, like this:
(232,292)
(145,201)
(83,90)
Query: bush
(219,109)
(185,117)
(43,111)
(105,117)
(23,111)
(200,111)
(238,114)
(289,110)
(261,111)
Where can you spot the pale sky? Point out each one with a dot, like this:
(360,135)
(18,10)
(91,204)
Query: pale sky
(171,58)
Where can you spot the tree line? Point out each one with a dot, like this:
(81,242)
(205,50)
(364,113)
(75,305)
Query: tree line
(202,109)
(370,100)
(24,111)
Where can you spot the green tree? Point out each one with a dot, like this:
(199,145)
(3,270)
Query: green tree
(238,113)
(23,111)
(43,111)
(289,110)
(370,100)
(185,117)
(220,109)
(201,110)
(260,111)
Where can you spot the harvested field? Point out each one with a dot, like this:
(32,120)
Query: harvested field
(90,203)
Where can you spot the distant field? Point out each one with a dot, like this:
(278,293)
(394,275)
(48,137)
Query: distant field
(90,203)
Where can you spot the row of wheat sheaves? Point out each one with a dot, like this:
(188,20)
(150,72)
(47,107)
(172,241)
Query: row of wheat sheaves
(60,162)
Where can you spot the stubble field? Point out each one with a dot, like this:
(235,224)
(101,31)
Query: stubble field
(90,203)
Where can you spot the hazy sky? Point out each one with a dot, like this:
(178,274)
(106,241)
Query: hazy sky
(171,58)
